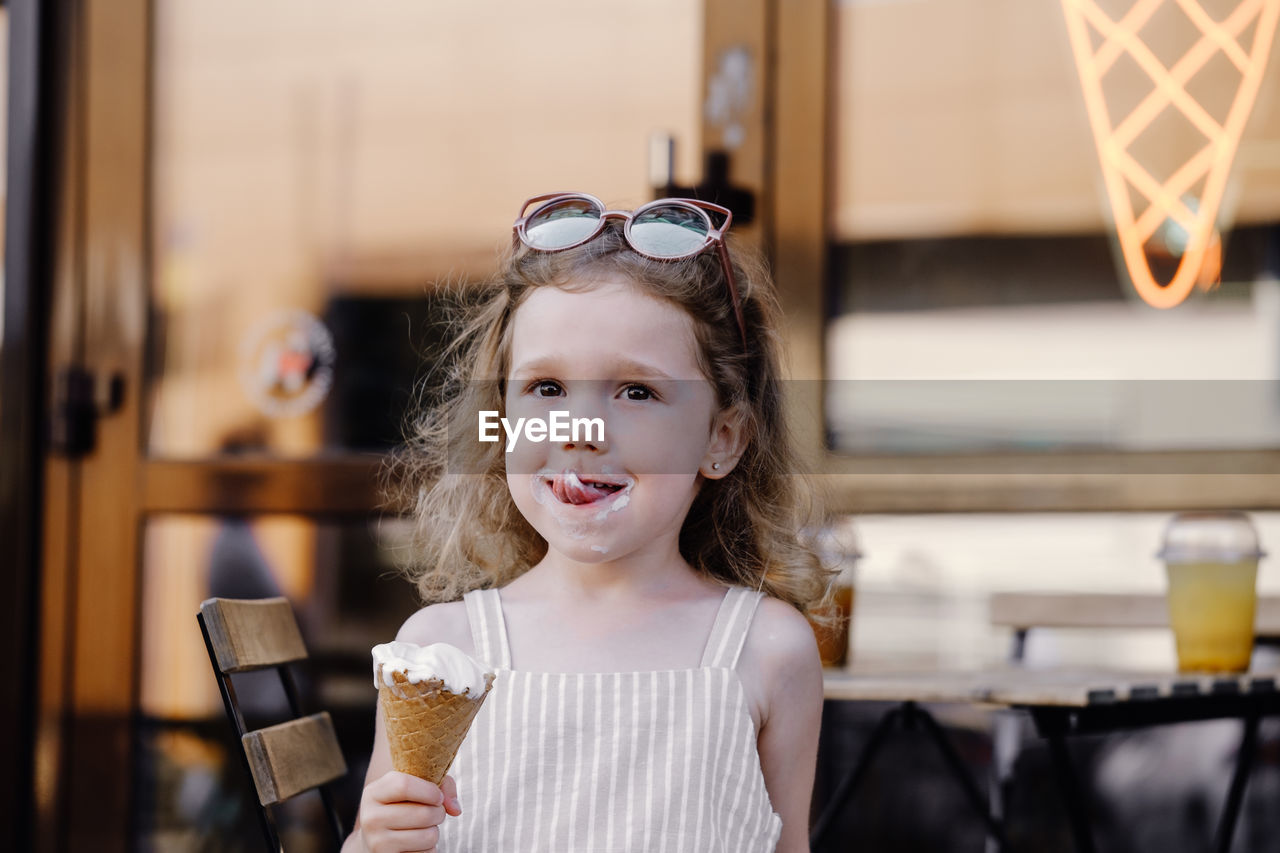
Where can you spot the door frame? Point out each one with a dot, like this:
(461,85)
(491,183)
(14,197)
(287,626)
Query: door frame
(34,111)
(96,315)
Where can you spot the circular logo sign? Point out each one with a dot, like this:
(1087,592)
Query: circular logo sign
(286,363)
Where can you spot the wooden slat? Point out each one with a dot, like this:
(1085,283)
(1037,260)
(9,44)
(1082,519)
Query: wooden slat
(1078,610)
(344,484)
(252,634)
(1051,482)
(1105,610)
(293,757)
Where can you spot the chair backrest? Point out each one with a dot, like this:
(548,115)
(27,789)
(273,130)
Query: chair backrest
(1025,611)
(288,758)
(1105,610)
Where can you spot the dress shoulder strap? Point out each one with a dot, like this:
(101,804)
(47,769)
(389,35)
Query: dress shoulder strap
(488,628)
(729,632)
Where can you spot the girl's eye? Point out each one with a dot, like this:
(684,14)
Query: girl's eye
(638,392)
(546,388)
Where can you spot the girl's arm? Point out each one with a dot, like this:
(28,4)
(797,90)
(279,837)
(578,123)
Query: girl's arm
(399,812)
(786,655)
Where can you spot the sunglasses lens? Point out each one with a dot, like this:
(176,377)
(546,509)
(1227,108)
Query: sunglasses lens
(669,231)
(561,224)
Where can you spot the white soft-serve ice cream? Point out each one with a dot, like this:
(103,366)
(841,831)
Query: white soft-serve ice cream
(428,695)
(460,673)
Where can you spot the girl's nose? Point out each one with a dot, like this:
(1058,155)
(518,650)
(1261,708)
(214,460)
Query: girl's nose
(595,442)
(588,417)
(587,432)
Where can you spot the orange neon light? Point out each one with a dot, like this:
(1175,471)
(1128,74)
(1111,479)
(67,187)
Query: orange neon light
(1202,252)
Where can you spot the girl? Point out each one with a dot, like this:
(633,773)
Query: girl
(639,588)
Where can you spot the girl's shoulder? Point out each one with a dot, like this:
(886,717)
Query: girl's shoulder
(439,623)
(780,651)
(780,628)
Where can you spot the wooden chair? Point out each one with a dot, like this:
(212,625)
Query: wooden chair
(285,759)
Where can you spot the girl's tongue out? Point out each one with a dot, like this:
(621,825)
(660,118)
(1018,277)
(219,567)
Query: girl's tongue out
(568,488)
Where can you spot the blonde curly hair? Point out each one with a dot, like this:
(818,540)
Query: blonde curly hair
(743,529)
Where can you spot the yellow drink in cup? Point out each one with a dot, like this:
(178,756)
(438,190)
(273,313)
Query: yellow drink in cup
(1211,610)
(1212,563)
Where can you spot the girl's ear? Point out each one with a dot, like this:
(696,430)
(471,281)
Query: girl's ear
(728,442)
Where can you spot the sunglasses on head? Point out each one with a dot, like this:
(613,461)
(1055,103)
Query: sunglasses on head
(669,229)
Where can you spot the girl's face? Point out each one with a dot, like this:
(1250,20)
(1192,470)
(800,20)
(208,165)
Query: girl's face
(617,354)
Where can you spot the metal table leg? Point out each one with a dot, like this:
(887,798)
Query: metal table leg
(1077,813)
(1006,737)
(956,765)
(909,713)
(849,784)
(1235,793)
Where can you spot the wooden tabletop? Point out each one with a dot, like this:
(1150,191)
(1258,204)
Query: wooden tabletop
(1105,610)
(1013,686)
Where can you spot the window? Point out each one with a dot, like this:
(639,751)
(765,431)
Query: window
(980,324)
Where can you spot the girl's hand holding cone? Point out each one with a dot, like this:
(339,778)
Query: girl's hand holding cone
(400,812)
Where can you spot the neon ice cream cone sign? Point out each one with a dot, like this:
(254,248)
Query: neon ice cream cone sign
(1170,203)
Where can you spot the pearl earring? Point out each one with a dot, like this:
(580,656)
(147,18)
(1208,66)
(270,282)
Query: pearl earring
(715,466)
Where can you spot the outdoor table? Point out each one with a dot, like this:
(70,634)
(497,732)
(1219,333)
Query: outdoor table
(1061,703)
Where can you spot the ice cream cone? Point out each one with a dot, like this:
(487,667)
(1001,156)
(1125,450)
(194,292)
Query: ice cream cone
(426,723)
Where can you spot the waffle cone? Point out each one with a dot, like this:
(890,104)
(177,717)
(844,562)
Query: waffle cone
(425,724)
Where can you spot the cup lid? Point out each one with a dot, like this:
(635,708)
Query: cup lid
(836,544)
(1196,537)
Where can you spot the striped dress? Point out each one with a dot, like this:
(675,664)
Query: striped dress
(659,762)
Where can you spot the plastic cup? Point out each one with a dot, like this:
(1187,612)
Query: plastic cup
(1212,565)
(836,549)
(833,639)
